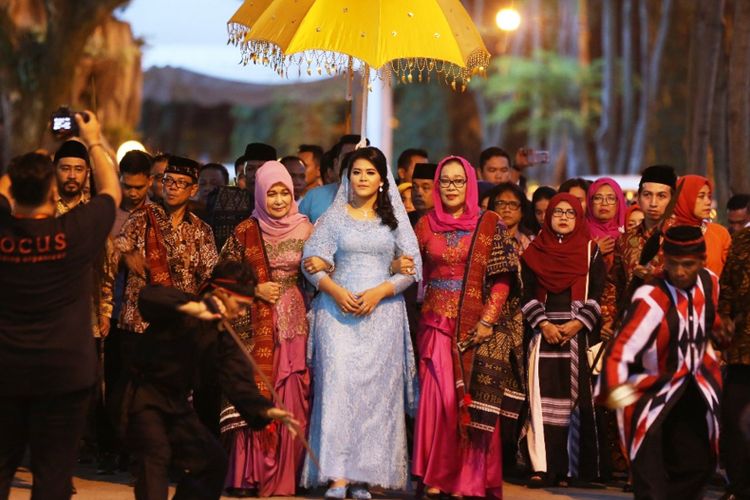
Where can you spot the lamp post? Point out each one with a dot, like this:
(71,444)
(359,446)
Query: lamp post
(508,19)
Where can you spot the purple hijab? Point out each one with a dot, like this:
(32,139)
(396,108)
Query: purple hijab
(439,220)
(599,228)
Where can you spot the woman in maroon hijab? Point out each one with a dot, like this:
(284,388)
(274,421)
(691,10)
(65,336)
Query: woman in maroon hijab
(563,275)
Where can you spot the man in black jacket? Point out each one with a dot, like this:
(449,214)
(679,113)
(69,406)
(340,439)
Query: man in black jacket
(182,344)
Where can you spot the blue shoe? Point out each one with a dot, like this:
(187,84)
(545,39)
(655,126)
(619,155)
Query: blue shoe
(338,492)
(360,492)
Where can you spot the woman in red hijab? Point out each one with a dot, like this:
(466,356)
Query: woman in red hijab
(693,208)
(563,279)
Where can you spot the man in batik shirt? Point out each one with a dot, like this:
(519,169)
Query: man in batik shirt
(166,244)
(734,309)
(654,194)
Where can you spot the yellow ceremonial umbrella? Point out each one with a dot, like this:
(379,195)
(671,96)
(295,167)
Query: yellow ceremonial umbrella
(408,39)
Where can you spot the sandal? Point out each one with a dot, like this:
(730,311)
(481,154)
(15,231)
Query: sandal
(538,480)
(432,494)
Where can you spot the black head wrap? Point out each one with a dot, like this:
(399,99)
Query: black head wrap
(257,151)
(72,149)
(182,166)
(661,174)
(424,171)
(684,241)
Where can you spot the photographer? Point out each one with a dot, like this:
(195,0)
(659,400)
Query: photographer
(47,355)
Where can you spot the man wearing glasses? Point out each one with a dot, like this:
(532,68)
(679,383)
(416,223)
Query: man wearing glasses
(164,244)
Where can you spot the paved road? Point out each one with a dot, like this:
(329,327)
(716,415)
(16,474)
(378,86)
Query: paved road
(93,487)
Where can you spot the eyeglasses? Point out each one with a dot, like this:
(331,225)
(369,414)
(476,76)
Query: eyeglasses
(559,212)
(459,183)
(513,205)
(604,200)
(171,181)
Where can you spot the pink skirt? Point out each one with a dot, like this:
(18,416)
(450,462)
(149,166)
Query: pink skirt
(440,459)
(275,471)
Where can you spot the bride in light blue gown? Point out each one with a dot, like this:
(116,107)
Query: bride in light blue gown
(364,375)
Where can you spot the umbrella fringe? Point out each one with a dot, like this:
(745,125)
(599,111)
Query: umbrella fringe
(335,64)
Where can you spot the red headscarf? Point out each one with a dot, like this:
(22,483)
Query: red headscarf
(684,210)
(560,263)
(600,228)
(439,220)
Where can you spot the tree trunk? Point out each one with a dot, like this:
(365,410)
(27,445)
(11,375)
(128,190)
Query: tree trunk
(705,50)
(605,134)
(718,164)
(628,84)
(739,100)
(38,63)
(650,76)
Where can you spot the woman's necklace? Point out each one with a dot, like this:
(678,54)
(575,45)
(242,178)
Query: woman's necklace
(366,212)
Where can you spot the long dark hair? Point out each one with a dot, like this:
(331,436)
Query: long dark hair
(383,205)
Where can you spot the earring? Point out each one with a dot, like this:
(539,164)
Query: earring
(380,188)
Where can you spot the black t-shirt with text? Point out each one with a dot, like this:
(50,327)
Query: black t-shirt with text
(46,344)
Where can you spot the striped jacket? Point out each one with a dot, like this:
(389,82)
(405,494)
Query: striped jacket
(664,340)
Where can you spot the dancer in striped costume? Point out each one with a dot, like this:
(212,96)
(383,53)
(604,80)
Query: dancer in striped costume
(662,372)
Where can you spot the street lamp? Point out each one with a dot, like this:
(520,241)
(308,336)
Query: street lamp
(508,19)
(128,146)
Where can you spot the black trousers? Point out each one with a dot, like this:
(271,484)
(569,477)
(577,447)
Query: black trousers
(735,447)
(158,439)
(676,459)
(52,426)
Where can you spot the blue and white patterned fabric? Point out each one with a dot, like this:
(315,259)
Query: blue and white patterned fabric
(364,375)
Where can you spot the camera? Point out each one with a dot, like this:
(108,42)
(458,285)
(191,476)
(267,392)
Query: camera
(63,122)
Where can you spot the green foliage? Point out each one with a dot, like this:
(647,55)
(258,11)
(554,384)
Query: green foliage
(286,125)
(542,93)
(422,119)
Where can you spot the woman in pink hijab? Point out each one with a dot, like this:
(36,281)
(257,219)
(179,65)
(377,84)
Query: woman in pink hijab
(267,463)
(606,215)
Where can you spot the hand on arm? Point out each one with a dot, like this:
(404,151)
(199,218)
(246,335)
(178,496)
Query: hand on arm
(316,264)
(403,265)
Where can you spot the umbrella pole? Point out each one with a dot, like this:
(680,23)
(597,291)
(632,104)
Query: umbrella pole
(365,92)
(349,96)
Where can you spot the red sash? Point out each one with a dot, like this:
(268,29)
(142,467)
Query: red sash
(261,312)
(470,309)
(156,252)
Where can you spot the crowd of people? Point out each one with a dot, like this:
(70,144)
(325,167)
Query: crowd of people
(444,329)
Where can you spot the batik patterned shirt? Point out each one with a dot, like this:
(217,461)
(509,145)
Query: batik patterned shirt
(627,254)
(191,256)
(734,301)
